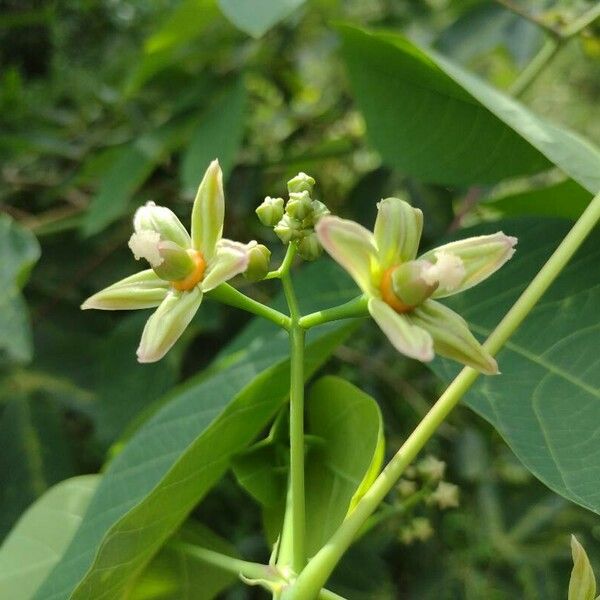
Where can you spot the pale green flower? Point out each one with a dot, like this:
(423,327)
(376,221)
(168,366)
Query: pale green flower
(401,288)
(184,267)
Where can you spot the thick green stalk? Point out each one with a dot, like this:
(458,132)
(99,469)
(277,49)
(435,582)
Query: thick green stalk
(354,308)
(318,570)
(295,511)
(232,297)
(227,563)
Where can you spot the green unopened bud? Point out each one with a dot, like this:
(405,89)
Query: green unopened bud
(288,229)
(301,183)
(270,211)
(309,247)
(319,210)
(259,258)
(168,260)
(299,205)
(409,284)
(163,221)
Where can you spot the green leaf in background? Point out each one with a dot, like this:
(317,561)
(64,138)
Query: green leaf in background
(183,450)
(42,534)
(19,251)
(337,470)
(566,199)
(35,453)
(433,120)
(175,575)
(582,585)
(217,135)
(487,27)
(132,166)
(256,17)
(546,403)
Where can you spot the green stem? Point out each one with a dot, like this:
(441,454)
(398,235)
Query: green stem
(316,573)
(227,563)
(295,511)
(354,308)
(534,69)
(286,264)
(578,25)
(232,297)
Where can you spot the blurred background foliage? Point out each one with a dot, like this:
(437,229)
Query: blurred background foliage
(105,104)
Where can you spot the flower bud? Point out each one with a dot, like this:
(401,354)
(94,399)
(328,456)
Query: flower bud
(163,221)
(422,529)
(406,487)
(299,205)
(288,229)
(270,211)
(259,257)
(309,247)
(319,210)
(301,183)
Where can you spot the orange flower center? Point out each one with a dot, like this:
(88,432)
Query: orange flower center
(195,277)
(389,296)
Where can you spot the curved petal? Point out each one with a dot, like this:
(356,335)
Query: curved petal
(230,260)
(481,256)
(398,230)
(407,338)
(167,323)
(352,246)
(142,290)
(208,212)
(452,337)
(163,221)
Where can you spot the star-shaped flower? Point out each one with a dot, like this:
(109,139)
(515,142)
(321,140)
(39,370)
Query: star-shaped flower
(184,267)
(401,288)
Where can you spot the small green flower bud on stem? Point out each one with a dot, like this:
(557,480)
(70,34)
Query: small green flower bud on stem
(301,183)
(259,258)
(270,211)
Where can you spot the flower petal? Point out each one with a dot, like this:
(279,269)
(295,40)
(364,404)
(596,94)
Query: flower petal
(167,323)
(352,246)
(398,230)
(406,337)
(208,212)
(481,256)
(163,221)
(230,260)
(142,290)
(452,337)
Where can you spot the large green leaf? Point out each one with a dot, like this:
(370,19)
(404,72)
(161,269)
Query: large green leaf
(42,534)
(174,574)
(218,135)
(565,199)
(546,403)
(256,17)
(346,463)
(345,450)
(183,450)
(19,251)
(435,121)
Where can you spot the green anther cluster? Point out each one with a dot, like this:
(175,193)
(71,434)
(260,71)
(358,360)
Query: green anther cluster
(295,220)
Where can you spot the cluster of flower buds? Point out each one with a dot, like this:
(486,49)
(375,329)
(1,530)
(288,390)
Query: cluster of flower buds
(295,220)
(423,484)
